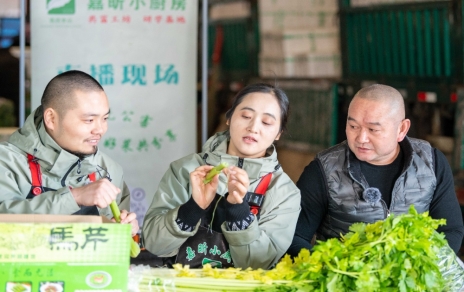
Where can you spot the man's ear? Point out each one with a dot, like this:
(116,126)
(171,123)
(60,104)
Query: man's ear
(278,136)
(403,129)
(50,117)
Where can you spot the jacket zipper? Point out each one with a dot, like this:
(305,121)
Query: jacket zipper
(63,180)
(386,211)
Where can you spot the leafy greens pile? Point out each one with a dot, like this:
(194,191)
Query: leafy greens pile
(400,253)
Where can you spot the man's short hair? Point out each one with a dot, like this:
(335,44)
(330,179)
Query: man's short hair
(60,91)
(384,93)
(379,91)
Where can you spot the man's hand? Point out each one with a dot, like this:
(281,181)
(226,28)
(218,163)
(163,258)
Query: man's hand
(203,194)
(238,183)
(129,218)
(100,193)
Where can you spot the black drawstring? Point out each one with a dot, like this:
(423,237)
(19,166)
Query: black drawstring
(205,156)
(63,180)
(240,162)
(107,172)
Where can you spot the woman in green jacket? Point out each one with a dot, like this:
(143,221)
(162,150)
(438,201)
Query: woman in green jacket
(246,216)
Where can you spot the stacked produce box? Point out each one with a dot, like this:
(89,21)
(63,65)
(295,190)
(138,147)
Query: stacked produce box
(299,38)
(229,10)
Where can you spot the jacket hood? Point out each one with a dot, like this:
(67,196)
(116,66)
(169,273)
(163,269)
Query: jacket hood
(33,139)
(27,138)
(215,152)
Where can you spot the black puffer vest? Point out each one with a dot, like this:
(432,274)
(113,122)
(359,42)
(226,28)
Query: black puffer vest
(346,183)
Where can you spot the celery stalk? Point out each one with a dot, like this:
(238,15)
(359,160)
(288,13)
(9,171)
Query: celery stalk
(134,248)
(214,171)
(115,210)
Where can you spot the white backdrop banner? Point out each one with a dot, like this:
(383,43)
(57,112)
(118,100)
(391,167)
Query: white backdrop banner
(143,52)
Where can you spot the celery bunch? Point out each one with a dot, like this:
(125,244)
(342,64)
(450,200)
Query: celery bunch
(401,253)
(210,279)
(135,248)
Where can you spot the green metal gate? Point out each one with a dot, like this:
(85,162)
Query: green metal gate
(312,124)
(416,41)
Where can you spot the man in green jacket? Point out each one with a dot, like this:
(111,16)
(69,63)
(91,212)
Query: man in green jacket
(52,165)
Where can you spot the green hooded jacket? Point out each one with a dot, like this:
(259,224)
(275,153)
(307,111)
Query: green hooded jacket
(60,170)
(262,244)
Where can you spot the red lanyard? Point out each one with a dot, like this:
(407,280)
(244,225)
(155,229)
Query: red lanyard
(261,190)
(36,175)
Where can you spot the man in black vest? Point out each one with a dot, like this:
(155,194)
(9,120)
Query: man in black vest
(377,171)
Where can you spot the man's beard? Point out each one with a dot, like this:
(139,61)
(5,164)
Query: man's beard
(82,155)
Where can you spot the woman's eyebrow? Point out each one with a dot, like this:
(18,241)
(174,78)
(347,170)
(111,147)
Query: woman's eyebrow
(250,109)
(247,108)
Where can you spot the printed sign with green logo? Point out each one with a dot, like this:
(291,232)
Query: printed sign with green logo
(64,257)
(61,6)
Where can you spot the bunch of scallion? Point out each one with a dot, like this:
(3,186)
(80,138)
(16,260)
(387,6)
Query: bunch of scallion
(400,253)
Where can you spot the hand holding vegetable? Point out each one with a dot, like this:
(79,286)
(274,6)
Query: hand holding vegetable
(237,185)
(130,218)
(135,249)
(100,193)
(204,193)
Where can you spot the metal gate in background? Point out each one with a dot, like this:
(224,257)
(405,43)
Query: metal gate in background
(314,112)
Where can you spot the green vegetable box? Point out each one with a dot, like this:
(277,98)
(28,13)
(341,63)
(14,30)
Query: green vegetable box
(55,253)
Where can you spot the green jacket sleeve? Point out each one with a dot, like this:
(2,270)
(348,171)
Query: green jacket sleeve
(161,234)
(266,240)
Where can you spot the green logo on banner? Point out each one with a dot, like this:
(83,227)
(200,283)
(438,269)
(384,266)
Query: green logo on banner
(61,6)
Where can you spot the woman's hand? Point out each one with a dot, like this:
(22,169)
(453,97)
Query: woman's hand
(203,194)
(130,218)
(238,183)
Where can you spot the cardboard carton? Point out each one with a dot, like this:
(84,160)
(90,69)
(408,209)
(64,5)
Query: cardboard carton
(320,65)
(63,253)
